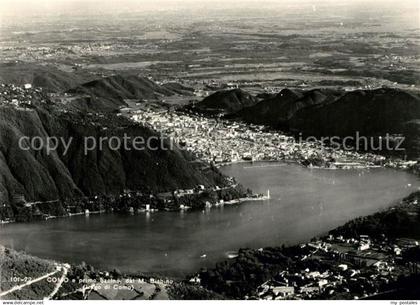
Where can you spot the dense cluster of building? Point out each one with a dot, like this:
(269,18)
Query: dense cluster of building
(221,141)
(337,267)
(356,267)
(67,51)
(20,96)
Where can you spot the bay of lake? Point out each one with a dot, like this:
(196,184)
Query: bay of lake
(304,203)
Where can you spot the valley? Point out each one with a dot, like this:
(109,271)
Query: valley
(293,163)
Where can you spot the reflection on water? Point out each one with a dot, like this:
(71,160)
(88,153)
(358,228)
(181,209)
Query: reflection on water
(304,202)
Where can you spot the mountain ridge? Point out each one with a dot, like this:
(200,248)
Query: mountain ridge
(327,113)
(36,175)
(224,101)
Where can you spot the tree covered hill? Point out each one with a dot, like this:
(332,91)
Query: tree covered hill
(225,101)
(41,176)
(330,112)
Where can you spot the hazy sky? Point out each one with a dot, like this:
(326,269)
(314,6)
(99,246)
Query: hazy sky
(58,7)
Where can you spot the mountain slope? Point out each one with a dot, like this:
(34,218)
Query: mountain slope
(48,77)
(226,101)
(40,176)
(107,94)
(330,113)
(276,111)
(370,112)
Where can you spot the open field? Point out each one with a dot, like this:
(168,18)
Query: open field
(303,45)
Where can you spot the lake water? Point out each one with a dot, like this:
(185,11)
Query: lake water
(304,203)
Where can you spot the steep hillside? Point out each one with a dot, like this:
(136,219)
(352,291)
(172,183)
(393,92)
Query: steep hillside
(34,174)
(277,110)
(178,88)
(371,113)
(412,137)
(48,77)
(18,265)
(40,176)
(226,101)
(326,112)
(107,94)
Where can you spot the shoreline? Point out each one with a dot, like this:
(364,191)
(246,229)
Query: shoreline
(233,254)
(181,208)
(232,202)
(341,166)
(320,243)
(344,247)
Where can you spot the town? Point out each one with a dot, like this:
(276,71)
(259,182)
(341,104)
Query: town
(354,267)
(220,141)
(21,96)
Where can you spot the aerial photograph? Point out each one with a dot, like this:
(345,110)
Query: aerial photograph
(209,150)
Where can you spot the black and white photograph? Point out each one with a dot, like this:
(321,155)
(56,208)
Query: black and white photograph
(209,150)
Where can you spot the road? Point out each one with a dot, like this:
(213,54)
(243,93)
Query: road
(64,268)
(19,287)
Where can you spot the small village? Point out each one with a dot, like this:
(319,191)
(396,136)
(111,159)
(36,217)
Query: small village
(355,267)
(133,202)
(20,96)
(334,267)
